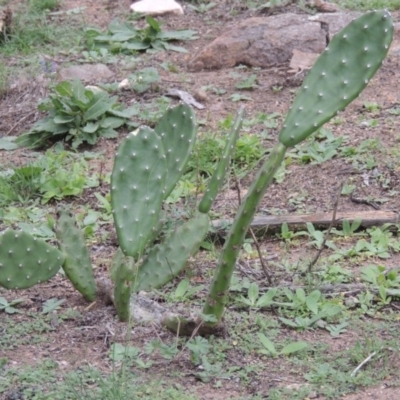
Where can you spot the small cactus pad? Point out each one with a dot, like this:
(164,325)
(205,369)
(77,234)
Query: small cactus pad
(165,261)
(339,75)
(77,265)
(118,259)
(25,260)
(220,172)
(177,129)
(125,275)
(137,189)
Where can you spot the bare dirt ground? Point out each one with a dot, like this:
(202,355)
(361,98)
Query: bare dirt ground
(75,342)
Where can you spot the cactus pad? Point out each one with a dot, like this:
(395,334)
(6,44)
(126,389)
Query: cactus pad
(77,265)
(339,75)
(137,189)
(25,260)
(165,261)
(177,129)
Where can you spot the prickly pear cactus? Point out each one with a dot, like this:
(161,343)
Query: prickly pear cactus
(138,189)
(26,261)
(220,172)
(77,265)
(166,260)
(177,129)
(339,75)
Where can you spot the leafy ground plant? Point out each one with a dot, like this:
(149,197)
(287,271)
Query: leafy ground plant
(54,175)
(77,114)
(123,37)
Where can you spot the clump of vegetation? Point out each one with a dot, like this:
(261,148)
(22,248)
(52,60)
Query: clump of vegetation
(54,175)
(123,37)
(77,114)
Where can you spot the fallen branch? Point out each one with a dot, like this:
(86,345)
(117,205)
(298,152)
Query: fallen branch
(298,221)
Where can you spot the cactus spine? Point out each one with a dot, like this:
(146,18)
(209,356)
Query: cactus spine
(337,77)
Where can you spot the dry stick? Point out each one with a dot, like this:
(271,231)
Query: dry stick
(21,120)
(264,267)
(314,261)
(363,363)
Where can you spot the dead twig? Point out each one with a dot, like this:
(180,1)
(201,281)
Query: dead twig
(21,120)
(363,363)
(314,261)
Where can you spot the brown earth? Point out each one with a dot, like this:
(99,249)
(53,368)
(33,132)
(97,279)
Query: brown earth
(77,342)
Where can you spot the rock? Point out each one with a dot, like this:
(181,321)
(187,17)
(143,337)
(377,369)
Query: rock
(262,42)
(302,60)
(323,6)
(157,7)
(86,73)
(268,41)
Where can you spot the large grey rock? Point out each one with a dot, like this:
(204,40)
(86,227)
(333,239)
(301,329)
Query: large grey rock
(268,41)
(90,73)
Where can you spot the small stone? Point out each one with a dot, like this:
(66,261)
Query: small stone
(157,7)
(200,95)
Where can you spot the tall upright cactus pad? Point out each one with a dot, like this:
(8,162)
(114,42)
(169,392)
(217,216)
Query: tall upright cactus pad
(339,75)
(177,129)
(26,261)
(218,293)
(77,265)
(137,189)
(166,260)
(220,172)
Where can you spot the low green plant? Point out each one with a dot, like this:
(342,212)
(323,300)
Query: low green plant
(183,292)
(270,349)
(8,307)
(202,8)
(369,4)
(254,300)
(124,37)
(77,114)
(145,79)
(51,305)
(348,229)
(55,175)
(248,83)
(44,5)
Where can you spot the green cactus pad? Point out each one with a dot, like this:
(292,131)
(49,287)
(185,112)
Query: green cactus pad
(125,275)
(220,172)
(25,260)
(218,294)
(118,259)
(165,261)
(77,265)
(137,189)
(339,75)
(177,129)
